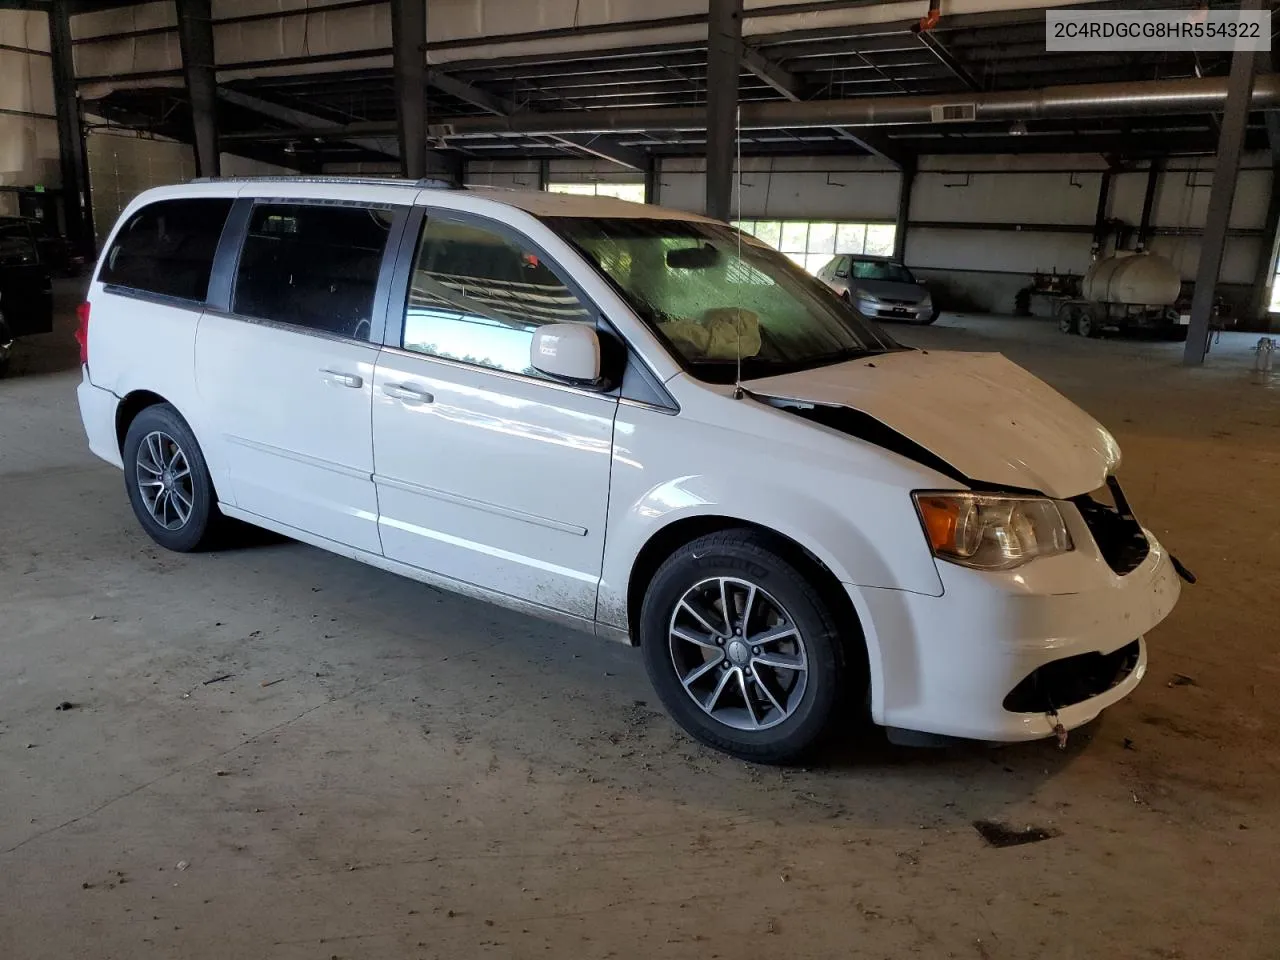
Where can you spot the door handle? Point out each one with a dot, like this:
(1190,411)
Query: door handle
(342,379)
(407,393)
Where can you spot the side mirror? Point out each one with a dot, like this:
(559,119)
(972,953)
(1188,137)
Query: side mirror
(567,351)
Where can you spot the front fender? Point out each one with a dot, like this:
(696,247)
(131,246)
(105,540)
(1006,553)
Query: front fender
(869,535)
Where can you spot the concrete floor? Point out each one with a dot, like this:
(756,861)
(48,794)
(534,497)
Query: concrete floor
(387,771)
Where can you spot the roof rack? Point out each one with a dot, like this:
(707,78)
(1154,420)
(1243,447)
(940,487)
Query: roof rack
(433,183)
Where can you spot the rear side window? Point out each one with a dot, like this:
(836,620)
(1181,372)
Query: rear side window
(312,266)
(167,248)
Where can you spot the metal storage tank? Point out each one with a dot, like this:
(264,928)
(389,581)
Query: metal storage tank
(1138,278)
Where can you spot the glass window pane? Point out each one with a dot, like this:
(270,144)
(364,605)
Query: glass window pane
(850,237)
(769,231)
(880,239)
(313,266)
(633,192)
(822,238)
(477,297)
(795,236)
(813,262)
(580,189)
(168,247)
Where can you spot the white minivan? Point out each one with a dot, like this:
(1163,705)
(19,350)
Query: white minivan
(634,421)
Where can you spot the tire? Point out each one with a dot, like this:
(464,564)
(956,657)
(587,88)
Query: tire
(159,437)
(764,711)
(1067,322)
(1087,326)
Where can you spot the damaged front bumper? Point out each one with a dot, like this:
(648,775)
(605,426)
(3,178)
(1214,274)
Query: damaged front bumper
(1020,654)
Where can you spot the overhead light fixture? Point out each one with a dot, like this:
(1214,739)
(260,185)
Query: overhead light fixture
(1018,128)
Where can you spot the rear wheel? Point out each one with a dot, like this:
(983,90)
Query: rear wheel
(1086,325)
(1068,314)
(168,481)
(740,648)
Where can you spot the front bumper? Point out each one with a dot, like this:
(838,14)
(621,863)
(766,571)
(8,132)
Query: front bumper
(950,665)
(893,311)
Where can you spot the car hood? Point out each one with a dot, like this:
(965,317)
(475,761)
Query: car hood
(980,413)
(892,290)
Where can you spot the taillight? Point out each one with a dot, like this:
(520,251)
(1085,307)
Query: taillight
(82,330)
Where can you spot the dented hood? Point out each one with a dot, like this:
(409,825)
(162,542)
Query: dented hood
(982,414)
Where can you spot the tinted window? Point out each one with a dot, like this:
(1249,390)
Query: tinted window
(477,297)
(16,246)
(882,270)
(312,266)
(168,247)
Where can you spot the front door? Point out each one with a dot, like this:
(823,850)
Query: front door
(488,472)
(287,376)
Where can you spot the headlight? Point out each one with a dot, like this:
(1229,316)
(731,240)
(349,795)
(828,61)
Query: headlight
(868,298)
(992,532)
(927,300)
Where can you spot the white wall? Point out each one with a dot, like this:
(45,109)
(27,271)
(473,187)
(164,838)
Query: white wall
(984,268)
(28,145)
(123,164)
(978,268)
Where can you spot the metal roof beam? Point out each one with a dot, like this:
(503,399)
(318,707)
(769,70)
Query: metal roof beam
(606,148)
(783,81)
(469,93)
(946,58)
(877,145)
(303,120)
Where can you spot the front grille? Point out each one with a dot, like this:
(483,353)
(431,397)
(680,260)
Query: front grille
(1072,680)
(1117,533)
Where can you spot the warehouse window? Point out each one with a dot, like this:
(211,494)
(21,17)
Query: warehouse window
(623,191)
(812,243)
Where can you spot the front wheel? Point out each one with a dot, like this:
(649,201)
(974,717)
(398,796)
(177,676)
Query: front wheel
(168,481)
(741,650)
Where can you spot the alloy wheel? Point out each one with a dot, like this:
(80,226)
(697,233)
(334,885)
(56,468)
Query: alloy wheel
(738,654)
(164,480)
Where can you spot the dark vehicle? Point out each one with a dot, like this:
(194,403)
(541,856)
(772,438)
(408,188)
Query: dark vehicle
(26,288)
(56,251)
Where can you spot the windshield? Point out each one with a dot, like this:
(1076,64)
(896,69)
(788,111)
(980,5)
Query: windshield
(708,302)
(882,270)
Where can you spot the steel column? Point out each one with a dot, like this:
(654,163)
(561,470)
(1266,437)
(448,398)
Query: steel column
(1235,118)
(905,184)
(1264,273)
(724,50)
(652,179)
(195,38)
(77,213)
(1100,216)
(544,175)
(408,43)
(1148,201)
